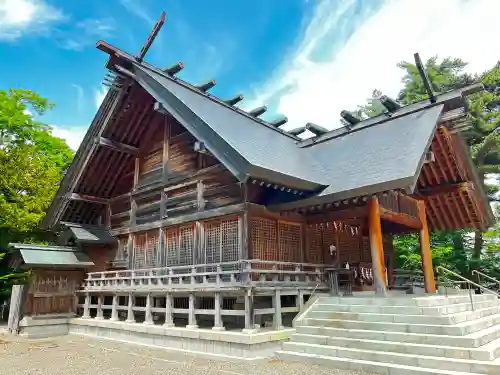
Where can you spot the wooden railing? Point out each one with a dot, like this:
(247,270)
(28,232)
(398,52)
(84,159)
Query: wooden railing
(206,290)
(242,274)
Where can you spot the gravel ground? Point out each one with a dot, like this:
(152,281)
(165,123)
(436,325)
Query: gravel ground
(75,355)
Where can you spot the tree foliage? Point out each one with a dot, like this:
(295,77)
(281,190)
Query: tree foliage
(32,163)
(462,250)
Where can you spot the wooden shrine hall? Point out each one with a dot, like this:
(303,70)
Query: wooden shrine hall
(213,206)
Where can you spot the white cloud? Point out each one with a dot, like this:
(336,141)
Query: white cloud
(72,135)
(315,87)
(99,96)
(20,17)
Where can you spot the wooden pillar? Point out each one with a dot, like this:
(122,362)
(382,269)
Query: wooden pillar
(376,247)
(86,307)
(425,250)
(149,314)
(169,319)
(249,314)
(130,309)
(192,313)
(99,314)
(218,325)
(114,308)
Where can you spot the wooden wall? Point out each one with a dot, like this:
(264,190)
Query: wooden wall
(53,292)
(204,242)
(172,179)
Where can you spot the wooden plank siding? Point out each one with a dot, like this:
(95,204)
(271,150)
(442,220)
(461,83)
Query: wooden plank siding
(171,179)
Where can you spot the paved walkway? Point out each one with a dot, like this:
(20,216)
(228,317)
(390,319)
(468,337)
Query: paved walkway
(76,355)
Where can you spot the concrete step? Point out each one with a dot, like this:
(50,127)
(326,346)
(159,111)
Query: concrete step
(411,310)
(488,352)
(473,340)
(424,301)
(404,317)
(364,365)
(414,360)
(459,329)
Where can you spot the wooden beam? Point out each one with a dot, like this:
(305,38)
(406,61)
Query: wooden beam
(376,246)
(200,201)
(340,215)
(445,189)
(425,250)
(87,198)
(400,218)
(117,146)
(178,220)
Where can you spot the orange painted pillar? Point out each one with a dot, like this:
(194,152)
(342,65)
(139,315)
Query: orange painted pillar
(425,250)
(376,247)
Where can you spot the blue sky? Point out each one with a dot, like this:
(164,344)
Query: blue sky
(307,59)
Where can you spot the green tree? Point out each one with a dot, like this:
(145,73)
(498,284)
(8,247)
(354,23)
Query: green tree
(32,163)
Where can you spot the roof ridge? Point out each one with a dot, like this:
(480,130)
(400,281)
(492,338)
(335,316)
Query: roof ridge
(212,97)
(388,116)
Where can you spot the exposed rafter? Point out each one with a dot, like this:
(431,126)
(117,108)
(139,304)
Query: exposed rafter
(118,146)
(87,198)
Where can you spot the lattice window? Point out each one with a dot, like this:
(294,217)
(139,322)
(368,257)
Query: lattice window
(140,251)
(172,246)
(186,245)
(146,250)
(314,252)
(264,239)
(212,243)
(290,241)
(151,249)
(221,241)
(230,240)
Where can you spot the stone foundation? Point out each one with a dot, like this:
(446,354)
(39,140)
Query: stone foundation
(204,342)
(45,326)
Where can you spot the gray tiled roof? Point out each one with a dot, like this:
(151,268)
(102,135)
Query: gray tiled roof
(387,155)
(88,234)
(52,256)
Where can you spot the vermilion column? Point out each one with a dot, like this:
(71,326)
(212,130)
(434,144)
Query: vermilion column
(425,250)
(376,247)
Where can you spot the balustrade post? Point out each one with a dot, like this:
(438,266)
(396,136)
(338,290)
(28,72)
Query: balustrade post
(169,321)
(277,321)
(218,325)
(149,314)
(114,308)
(249,313)
(192,313)
(300,300)
(86,307)
(130,309)
(99,314)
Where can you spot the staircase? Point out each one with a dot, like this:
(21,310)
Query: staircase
(401,335)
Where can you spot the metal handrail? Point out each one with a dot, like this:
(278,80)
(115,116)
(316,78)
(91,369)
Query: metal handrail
(479,273)
(470,282)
